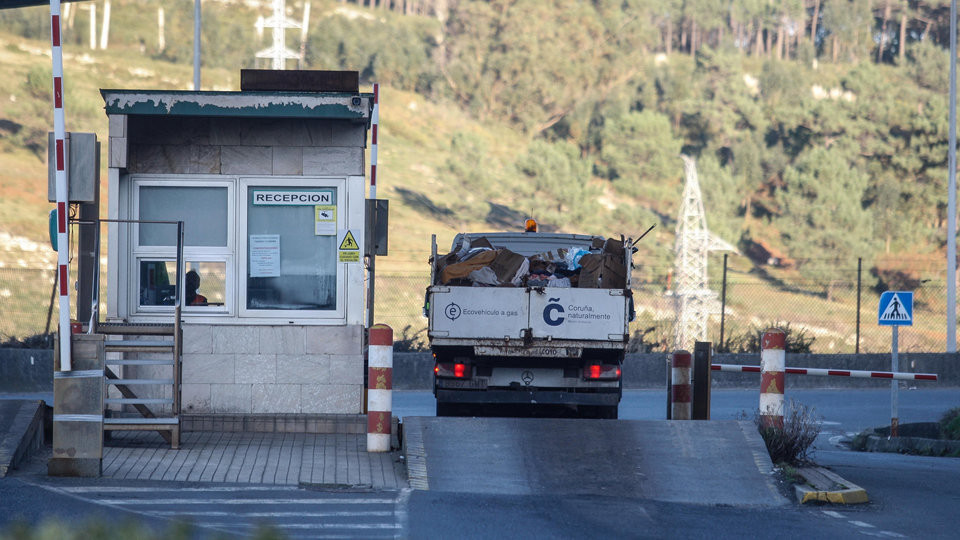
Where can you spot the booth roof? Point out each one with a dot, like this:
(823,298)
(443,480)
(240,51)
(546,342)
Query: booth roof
(330,105)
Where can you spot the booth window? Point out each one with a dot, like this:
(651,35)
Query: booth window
(205,212)
(291,248)
(205,283)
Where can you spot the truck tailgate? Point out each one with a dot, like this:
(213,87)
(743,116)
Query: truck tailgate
(505,312)
(478,312)
(599,314)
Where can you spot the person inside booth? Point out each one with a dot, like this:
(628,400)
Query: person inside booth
(193,283)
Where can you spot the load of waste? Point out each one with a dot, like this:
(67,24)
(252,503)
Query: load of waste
(479,264)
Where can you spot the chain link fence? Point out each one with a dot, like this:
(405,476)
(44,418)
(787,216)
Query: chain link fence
(28,305)
(820,312)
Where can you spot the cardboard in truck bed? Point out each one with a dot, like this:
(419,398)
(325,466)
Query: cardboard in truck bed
(460,270)
(603,271)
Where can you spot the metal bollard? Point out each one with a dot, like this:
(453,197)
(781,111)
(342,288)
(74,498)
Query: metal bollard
(680,372)
(379,388)
(702,355)
(772,366)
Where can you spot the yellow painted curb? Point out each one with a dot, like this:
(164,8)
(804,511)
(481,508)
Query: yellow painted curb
(846,496)
(828,487)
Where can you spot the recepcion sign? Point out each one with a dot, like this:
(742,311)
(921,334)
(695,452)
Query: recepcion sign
(288,197)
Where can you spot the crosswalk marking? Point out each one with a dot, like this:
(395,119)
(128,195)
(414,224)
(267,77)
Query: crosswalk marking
(196,502)
(152,489)
(168,513)
(348,526)
(296,512)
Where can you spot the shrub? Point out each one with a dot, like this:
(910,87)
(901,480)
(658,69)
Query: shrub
(792,443)
(409,341)
(797,340)
(38,341)
(950,424)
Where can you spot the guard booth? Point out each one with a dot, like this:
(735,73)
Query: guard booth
(268,183)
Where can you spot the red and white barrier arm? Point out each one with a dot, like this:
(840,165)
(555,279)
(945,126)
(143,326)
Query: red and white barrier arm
(833,372)
(374,127)
(59,134)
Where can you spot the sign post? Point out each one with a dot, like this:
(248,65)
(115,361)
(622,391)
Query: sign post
(895,310)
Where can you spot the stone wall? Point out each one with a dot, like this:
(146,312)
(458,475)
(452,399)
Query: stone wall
(272,147)
(272,369)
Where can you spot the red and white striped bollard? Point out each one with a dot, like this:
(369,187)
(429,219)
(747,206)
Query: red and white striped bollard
(772,364)
(681,390)
(379,388)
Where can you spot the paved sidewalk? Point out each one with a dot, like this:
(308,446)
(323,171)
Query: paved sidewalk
(321,460)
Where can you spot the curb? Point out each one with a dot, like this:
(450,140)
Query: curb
(25,434)
(823,485)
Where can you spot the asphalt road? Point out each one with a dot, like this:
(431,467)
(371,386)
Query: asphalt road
(911,497)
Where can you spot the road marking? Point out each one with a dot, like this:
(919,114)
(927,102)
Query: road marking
(152,502)
(219,489)
(864,525)
(400,509)
(373,513)
(365,526)
(319,520)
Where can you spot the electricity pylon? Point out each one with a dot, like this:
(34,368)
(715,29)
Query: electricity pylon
(694,302)
(278,52)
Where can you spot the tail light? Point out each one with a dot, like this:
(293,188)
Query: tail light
(453,371)
(601,372)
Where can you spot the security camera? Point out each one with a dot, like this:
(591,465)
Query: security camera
(356,102)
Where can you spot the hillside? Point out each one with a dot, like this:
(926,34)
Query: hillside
(819,158)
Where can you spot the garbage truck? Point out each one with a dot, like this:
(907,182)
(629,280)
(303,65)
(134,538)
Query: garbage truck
(527,322)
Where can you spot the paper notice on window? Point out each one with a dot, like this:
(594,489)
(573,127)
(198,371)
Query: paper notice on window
(264,252)
(325,219)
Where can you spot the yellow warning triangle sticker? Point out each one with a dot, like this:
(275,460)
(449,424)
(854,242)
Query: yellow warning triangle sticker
(349,243)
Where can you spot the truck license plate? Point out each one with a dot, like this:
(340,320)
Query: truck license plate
(468,384)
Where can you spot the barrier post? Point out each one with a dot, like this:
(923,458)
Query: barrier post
(772,365)
(380,388)
(669,371)
(701,380)
(680,372)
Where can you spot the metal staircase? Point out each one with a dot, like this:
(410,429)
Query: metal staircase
(147,375)
(143,360)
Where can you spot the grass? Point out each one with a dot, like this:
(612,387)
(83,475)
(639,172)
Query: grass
(435,187)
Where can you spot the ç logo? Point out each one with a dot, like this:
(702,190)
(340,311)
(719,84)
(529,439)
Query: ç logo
(551,313)
(452,311)
(526,377)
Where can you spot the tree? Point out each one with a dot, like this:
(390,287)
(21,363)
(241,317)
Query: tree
(641,154)
(822,211)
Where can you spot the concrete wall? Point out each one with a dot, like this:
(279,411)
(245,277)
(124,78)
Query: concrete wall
(414,371)
(24,371)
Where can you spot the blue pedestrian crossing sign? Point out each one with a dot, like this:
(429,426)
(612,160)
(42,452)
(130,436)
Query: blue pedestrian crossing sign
(896,309)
